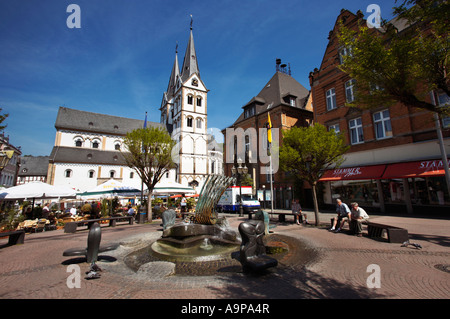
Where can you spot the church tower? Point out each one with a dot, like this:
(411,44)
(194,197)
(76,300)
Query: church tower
(184,112)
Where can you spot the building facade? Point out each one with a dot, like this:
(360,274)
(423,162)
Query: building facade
(289,104)
(87,150)
(184,111)
(32,169)
(8,173)
(394,162)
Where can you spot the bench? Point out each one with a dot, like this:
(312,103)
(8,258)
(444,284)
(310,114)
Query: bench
(71,227)
(15,237)
(281,215)
(394,234)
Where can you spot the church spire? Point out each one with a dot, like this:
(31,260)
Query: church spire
(174,75)
(190,65)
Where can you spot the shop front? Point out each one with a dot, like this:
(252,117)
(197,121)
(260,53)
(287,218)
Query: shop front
(417,186)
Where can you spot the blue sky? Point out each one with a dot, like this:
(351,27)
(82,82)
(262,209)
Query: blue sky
(119,61)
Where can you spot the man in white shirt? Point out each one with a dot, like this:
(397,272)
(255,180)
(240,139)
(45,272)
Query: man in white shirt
(358,215)
(73,211)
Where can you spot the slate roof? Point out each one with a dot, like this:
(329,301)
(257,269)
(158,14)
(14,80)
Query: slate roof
(33,166)
(61,154)
(272,95)
(71,119)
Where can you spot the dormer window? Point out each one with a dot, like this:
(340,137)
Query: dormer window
(249,111)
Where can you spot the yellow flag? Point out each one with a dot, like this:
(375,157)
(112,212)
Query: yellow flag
(269,130)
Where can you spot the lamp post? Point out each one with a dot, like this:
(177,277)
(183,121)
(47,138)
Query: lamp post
(238,171)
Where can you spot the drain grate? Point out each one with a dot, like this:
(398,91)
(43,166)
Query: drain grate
(443,267)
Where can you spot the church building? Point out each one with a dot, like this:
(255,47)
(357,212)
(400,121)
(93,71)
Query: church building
(184,113)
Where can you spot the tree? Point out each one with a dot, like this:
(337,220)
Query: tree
(389,66)
(3,117)
(149,153)
(308,151)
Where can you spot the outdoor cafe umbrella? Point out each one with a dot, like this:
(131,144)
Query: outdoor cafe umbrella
(111,188)
(170,188)
(36,190)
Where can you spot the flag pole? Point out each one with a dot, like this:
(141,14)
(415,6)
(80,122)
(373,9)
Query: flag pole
(269,140)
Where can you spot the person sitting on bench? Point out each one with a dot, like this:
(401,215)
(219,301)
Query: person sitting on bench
(358,215)
(343,215)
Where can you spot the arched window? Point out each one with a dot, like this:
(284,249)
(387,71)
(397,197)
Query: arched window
(68,173)
(78,141)
(190,99)
(91,173)
(198,122)
(189,121)
(112,174)
(199,101)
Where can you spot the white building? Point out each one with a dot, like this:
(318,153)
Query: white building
(184,113)
(87,150)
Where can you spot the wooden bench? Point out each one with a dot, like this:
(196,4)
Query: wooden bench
(394,234)
(71,227)
(15,237)
(281,215)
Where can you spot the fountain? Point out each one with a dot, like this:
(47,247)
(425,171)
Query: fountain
(204,236)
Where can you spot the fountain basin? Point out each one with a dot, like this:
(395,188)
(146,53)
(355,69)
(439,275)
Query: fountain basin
(197,251)
(195,242)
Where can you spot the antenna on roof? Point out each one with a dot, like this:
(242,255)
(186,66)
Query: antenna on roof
(282,67)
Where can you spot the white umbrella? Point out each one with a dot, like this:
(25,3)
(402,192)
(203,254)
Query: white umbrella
(111,188)
(170,187)
(37,190)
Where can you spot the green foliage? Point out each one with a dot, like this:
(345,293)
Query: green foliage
(247,180)
(391,66)
(3,117)
(308,151)
(149,153)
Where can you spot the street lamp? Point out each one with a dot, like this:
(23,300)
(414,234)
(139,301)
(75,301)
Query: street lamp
(238,172)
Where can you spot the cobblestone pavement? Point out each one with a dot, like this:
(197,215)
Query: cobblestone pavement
(319,264)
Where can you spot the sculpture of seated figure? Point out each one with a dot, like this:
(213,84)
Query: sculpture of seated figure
(253,252)
(168,218)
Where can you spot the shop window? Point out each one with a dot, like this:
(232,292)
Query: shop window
(356,131)
(382,124)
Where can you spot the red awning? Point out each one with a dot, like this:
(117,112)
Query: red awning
(415,169)
(354,173)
